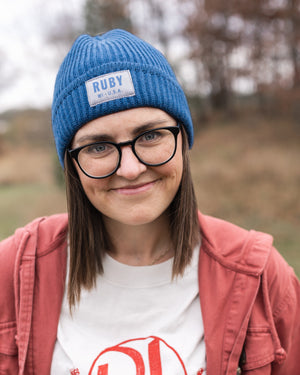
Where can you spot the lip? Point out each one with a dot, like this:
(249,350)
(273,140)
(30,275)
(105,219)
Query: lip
(134,189)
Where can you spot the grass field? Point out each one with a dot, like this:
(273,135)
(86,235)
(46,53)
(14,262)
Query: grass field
(246,173)
(28,188)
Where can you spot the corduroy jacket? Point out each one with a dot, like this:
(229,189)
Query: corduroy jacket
(250,299)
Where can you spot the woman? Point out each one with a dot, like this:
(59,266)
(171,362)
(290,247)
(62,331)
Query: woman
(134,280)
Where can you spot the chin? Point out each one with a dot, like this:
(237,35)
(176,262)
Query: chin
(141,217)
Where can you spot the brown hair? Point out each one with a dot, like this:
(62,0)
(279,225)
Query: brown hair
(88,238)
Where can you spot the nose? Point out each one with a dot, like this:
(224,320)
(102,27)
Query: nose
(130,167)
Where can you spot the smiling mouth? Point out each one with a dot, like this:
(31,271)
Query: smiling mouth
(135,189)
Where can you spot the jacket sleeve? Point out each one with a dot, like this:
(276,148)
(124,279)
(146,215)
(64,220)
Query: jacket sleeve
(284,295)
(8,347)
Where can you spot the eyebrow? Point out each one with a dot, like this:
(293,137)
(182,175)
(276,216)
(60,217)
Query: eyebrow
(148,126)
(90,138)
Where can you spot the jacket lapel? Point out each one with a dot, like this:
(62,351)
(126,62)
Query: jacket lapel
(230,266)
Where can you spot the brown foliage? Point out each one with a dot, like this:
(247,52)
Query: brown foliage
(268,33)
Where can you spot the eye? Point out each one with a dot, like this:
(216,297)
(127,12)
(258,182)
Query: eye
(151,136)
(98,149)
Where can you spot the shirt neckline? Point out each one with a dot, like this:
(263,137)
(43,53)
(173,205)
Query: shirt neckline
(138,277)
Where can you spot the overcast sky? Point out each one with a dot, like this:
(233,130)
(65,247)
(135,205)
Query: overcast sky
(27,64)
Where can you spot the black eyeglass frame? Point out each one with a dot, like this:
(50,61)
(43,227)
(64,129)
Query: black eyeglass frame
(75,152)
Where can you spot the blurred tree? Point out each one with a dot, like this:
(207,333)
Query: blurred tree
(103,15)
(59,31)
(275,53)
(212,41)
(293,22)
(63,32)
(152,21)
(265,36)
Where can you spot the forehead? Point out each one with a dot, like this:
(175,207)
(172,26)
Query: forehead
(125,123)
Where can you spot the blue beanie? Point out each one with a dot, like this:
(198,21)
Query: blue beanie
(110,73)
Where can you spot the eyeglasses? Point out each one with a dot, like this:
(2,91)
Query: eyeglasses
(102,159)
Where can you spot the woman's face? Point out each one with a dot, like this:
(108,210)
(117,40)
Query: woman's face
(136,194)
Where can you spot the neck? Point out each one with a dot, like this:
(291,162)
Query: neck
(140,245)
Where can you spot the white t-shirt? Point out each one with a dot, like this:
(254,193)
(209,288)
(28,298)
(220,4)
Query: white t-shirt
(137,321)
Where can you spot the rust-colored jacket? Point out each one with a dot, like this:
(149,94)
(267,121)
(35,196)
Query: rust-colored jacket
(250,299)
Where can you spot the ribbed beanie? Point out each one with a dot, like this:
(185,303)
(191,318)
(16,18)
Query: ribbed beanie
(110,73)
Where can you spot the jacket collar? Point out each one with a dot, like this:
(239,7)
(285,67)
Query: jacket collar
(235,248)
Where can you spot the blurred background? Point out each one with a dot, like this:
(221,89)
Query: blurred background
(239,64)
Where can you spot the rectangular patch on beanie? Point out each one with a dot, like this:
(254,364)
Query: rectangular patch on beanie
(109,87)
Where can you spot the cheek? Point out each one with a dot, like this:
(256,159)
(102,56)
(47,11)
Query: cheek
(92,186)
(177,171)
(173,170)
(176,165)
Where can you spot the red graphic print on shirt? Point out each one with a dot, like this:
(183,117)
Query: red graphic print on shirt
(143,356)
